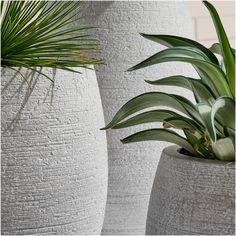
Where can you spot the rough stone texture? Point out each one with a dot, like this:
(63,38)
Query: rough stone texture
(192,196)
(54,157)
(132,167)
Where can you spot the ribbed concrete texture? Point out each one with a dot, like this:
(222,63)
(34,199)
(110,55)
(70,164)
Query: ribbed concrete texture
(132,167)
(192,196)
(54,157)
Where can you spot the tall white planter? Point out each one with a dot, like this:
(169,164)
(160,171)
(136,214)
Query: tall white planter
(54,157)
(132,167)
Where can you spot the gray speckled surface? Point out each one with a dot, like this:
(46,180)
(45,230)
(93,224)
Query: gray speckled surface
(54,157)
(192,196)
(132,166)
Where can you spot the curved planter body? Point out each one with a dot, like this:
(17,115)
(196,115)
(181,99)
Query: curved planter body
(191,196)
(132,166)
(54,157)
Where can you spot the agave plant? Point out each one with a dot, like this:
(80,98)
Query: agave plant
(209,124)
(36,34)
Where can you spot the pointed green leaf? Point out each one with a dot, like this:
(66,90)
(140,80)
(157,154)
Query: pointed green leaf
(215,48)
(205,111)
(201,92)
(213,72)
(153,99)
(198,143)
(229,59)
(224,111)
(229,132)
(224,149)
(180,122)
(159,135)
(177,41)
(45,34)
(146,117)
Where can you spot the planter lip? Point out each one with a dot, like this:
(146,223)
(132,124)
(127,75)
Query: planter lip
(47,69)
(172,151)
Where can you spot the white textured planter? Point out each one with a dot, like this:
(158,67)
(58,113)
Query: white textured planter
(54,157)
(192,196)
(132,167)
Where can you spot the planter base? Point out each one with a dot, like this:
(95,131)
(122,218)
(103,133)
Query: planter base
(54,157)
(191,196)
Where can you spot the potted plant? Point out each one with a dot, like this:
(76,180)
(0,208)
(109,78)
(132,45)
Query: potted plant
(193,191)
(54,158)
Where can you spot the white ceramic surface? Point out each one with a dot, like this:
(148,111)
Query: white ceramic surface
(132,166)
(54,157)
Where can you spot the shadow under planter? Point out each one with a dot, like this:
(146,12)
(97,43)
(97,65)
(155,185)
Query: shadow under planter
(54,157)
(192,196)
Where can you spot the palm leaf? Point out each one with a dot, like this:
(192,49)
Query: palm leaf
(45,34)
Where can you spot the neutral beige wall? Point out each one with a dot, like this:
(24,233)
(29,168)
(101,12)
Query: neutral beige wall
(203,26)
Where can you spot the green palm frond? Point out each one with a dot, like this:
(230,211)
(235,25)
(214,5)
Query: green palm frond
(209,124)
(45,34)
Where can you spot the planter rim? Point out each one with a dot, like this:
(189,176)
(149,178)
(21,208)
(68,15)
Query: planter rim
(89,67)
(172,151)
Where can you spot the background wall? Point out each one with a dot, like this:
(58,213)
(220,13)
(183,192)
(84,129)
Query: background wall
(203,25)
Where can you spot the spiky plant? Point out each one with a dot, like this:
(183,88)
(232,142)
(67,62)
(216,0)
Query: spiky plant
(36,34)
(209,125)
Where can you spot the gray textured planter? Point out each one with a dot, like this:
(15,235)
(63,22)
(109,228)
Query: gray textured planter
(191,196)
(132,167)
(54,157)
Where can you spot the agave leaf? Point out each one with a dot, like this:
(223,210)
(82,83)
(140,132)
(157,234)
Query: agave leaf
(207,80)
(219,130)
(146,117)
(159,135)
(158,116)
(229,132)
(153,99)
(213,72)
(224,111)
(228,56)
(198,143)
(222,106)
(215,48)
(206,111)
(201,92)
(224,149)
(180,122)
(177,41)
